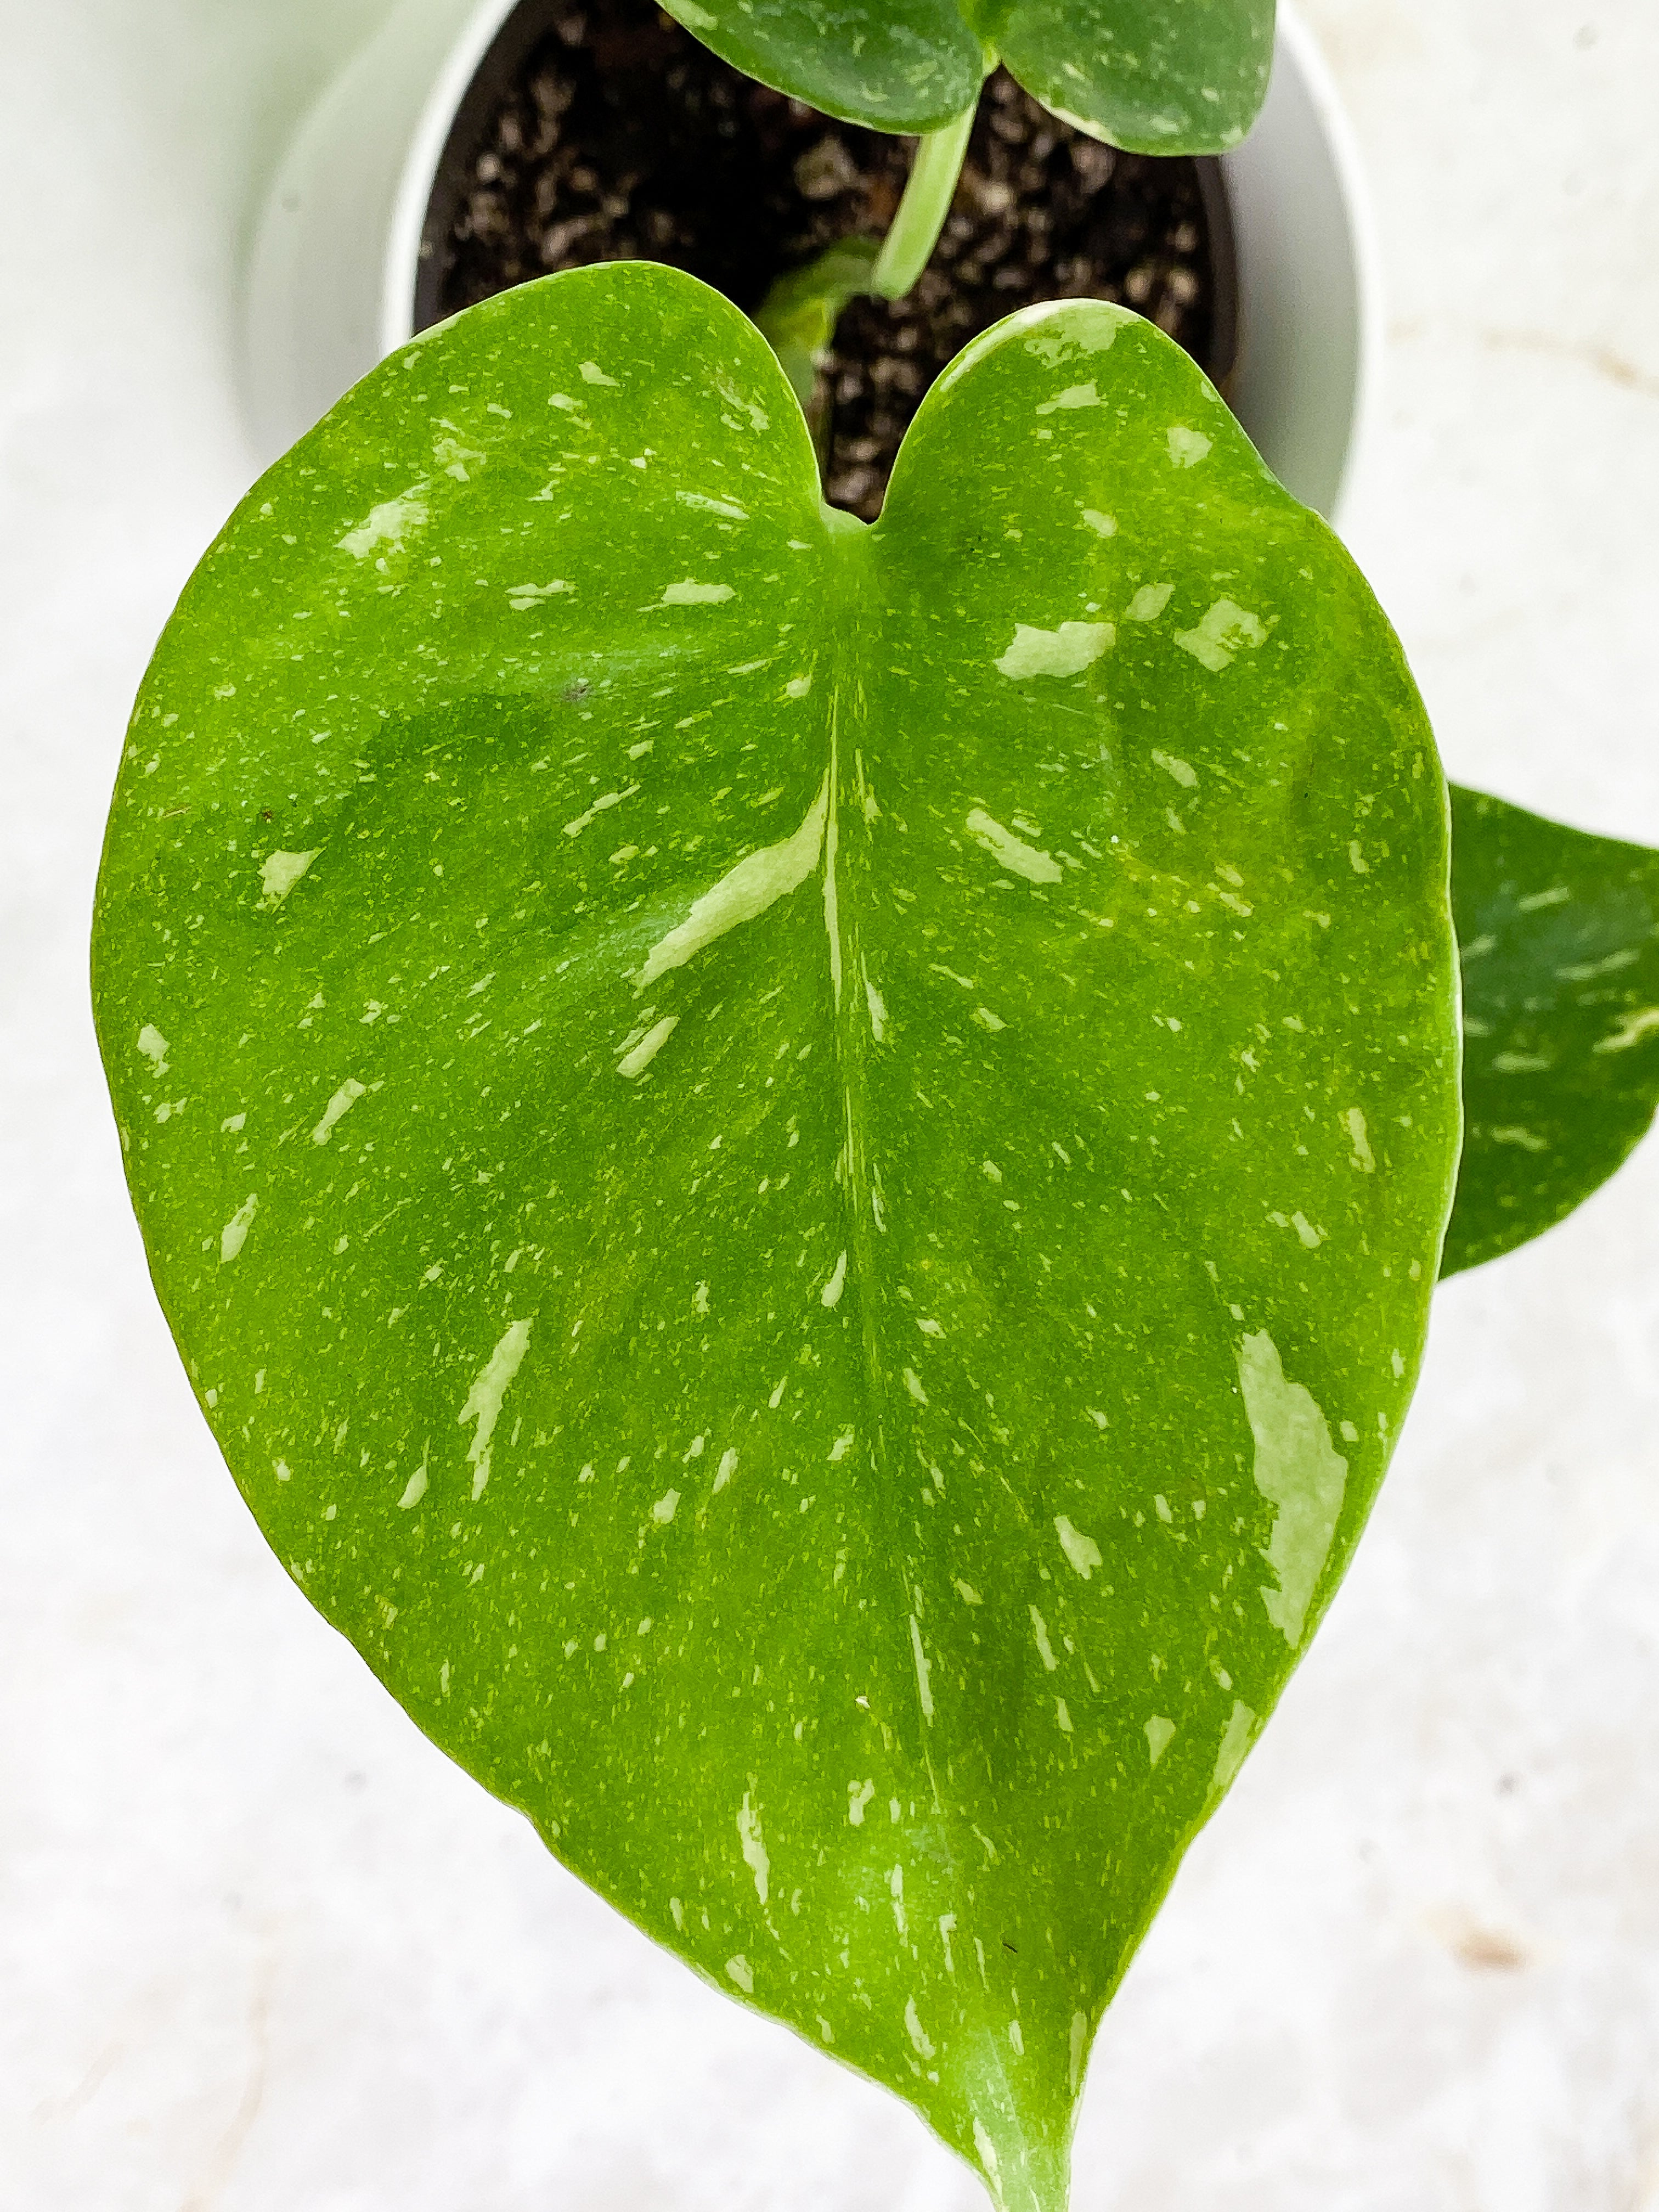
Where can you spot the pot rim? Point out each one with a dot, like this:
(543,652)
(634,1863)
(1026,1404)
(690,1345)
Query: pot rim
(1359,222)
(419,173)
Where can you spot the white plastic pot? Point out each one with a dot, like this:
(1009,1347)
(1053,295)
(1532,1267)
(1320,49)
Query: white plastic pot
(1311,320)
(331,288)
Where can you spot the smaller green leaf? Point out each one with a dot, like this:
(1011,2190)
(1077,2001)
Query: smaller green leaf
(1559,937)
(893,64)
(1157,76)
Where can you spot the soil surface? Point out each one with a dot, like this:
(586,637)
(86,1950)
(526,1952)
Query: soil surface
(605,132)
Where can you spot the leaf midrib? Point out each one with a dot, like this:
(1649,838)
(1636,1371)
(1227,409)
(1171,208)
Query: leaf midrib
(853,614)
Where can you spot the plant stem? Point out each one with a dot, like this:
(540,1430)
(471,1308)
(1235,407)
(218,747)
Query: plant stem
(798,316)
(927,195)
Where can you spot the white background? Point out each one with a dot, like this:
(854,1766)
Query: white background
(261,1949)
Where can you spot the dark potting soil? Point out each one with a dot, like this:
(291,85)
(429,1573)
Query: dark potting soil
(604,131)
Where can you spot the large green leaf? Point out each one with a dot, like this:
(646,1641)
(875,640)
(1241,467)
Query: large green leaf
(798,1166)
(1161,76)
(1559,935)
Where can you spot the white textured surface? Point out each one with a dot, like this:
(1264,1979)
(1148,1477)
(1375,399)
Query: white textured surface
(262,1949)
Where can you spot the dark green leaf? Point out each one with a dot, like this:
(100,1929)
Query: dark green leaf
(799,1166)
(894,65)
(1160,76)
(1560,937)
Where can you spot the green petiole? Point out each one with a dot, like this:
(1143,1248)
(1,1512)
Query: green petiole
(909,243)
(799,315)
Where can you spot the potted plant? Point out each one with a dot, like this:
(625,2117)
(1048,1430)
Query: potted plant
(801,1165)
(343,270)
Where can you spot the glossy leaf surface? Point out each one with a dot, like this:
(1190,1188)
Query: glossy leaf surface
(893,64)
(799,1166)
(1559,937)
(1160,76)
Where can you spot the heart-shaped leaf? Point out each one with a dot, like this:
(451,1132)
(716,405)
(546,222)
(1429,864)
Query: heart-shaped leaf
(1559,938)
(893,64)
(799,1166)
(1158,77)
